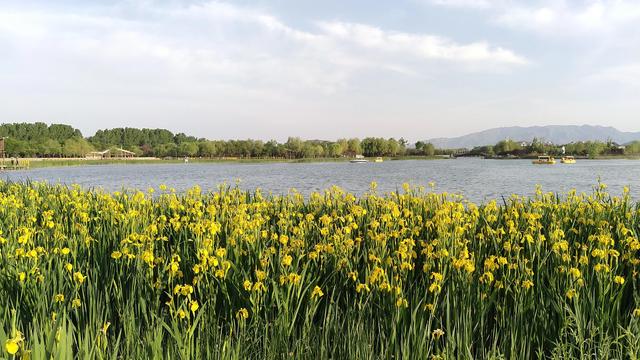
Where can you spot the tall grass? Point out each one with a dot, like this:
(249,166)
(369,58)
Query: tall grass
(237,275)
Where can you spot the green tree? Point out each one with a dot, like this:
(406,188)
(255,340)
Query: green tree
(295,147)
(392,148)
(271,148)
(166,150)
(506,147)
(595,148)
(188,149)
(537,147)
(335,150)
(76,147)
(632,148)
(343,146)
(429,149)
(207,149)
(353,146)
(50,147)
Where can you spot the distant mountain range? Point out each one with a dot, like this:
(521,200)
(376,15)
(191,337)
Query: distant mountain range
(557,134)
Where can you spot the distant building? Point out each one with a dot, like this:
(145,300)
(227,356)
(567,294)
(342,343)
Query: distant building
(619,150)
(94,155)
(349,153)
(116,153)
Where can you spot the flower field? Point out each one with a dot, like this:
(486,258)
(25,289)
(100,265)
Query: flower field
(243,275)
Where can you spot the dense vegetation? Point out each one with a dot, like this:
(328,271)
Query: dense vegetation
(47,141)
(41,140)
(162,143)
(590,149)
(240,275)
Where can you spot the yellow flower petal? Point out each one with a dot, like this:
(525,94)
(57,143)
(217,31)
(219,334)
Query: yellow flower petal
(11,346)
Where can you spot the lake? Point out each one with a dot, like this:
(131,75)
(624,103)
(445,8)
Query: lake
(477,179)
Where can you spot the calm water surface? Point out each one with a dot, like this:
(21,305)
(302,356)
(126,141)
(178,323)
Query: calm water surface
(477,179)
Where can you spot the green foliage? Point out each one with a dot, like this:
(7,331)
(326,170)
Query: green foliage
(127,137)
(207,149)
(56,140)
(591,149)
(240,275)
(76,147)
(633,148)
(188,149)
(426,149)
(38,139)
(484,151)
(38,131)
(506,147)
(382,147)
(354,147)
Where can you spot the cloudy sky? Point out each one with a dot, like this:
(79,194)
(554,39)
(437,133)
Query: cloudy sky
(320,69)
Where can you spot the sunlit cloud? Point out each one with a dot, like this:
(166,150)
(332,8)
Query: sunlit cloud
(560,18)
(255,68)
(474,4)
(555,17)
(235,45)
(627,74)
(419,45)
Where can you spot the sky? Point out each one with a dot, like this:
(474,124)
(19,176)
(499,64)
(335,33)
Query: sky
(326,69)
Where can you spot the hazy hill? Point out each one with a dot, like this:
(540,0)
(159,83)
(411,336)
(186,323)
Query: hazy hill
(557,134)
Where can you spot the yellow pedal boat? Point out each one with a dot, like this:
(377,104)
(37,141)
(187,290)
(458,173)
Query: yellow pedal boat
(568,160)
(544,160)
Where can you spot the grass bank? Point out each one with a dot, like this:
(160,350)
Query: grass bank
(50,162)
(42,163)
(241,275)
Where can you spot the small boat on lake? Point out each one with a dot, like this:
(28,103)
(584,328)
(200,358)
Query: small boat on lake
(379,159)
(359,159)
(544,160)
(568,160)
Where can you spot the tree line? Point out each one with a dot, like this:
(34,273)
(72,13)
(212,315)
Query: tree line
(589,149)
(56,140)
(60,140)
(40,139)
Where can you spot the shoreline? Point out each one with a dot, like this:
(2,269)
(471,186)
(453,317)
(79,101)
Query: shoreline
(62,162)
(533,157)
(36,163)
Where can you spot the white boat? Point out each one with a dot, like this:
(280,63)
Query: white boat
(358,160)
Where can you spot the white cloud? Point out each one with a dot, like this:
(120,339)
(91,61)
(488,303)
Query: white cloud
(230,44)
(419,45)
(238,71)
(474,4)
(556,17)
(628,74)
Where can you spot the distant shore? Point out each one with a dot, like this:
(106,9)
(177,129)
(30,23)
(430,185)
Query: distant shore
(580,158)
(58,162)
